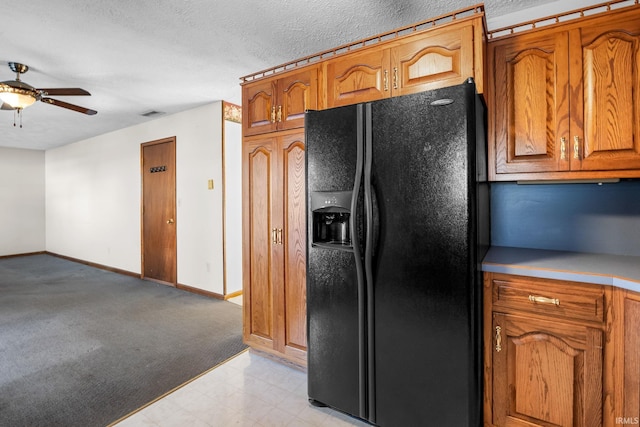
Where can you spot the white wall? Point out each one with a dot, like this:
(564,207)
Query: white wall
(22,208)
(93,192)
(233,204)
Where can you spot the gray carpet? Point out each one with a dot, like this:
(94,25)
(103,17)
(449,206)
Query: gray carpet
(80,346)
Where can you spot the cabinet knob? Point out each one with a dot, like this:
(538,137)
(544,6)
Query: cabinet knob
(395,77)
(498,339)
(386,80)
(576,147)
(279,115)
(563,148)
(273,114)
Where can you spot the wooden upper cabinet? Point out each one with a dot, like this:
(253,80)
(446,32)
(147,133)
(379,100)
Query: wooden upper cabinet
(531,110)
(566,100)
(443,57)
(606,124)
(279,103)
(358,77)
(436,58)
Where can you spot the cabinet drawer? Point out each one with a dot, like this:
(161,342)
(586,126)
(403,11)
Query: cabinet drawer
(549,297)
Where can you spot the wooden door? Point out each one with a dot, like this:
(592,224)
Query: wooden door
(297,93)
(259,107)
(530,87)
(605,128)
(546,373)
(293,310)
(260,263)
(358,77)
(442,58)
(159,211)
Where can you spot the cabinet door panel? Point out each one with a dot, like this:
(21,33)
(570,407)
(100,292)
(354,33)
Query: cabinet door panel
(258,102)
(631,375)
(294,241)
(297,92)
(610,87)
(358,78)
(442,59)
(259,163)
(531,104)
(546,373)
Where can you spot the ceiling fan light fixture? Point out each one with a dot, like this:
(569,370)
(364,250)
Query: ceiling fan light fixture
(16,97)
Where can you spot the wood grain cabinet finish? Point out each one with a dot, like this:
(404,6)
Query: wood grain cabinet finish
(440,57)
(274,247)
(544,351)
(566,100)
(278,103)
(626,360)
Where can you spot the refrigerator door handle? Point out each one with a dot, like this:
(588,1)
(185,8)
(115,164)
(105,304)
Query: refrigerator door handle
(368,261)
(353,225)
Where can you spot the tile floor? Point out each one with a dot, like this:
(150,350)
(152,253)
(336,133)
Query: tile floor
(247,390)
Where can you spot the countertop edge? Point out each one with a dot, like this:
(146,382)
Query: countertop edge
(602,269)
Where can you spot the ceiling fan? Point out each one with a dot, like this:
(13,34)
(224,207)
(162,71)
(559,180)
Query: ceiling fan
(17,95)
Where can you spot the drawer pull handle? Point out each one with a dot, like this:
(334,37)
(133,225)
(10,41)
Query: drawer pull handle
(544,300)
(498,339)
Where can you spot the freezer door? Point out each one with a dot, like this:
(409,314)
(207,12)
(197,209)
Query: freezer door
(334,271)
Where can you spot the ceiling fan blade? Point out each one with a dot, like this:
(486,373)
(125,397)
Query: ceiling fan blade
(65,91)
(69,106)
(5,106)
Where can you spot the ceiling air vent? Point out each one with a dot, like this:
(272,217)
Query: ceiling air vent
(152,113)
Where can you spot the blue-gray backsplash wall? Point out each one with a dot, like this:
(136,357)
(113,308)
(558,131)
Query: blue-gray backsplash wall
(573,217)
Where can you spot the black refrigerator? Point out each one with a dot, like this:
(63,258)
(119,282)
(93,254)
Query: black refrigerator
(397,226)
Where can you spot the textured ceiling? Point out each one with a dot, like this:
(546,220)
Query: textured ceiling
(173,55)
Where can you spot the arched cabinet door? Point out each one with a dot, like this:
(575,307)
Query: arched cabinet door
(274,244)
(565,100)
(530,84)
(606,124)
(546,372)
(278,103)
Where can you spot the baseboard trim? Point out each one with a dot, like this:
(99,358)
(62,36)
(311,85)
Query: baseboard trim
(96,265)
(25,254)
(233,295)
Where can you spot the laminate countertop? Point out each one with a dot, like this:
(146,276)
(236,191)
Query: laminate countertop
(614,270)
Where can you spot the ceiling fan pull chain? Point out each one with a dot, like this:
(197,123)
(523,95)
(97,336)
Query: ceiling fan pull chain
(17,111)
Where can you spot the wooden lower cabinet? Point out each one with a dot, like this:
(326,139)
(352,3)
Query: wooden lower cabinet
(546,373)
(274,244)
(627,360)
(545,346)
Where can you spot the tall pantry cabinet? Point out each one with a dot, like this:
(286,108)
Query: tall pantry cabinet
(274,248)
(274,219)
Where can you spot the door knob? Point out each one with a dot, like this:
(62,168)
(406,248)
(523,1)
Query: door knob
(170,221)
